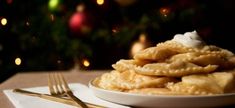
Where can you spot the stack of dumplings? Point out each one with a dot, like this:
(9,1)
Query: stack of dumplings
(173,68)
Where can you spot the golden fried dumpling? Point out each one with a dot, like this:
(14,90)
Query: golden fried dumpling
(204,84)
(123,65)
(184,65)
(107,81)
(224,79)
(126,80)
(154,54)
(174,69)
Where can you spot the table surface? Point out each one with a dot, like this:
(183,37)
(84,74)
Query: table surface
(35,79)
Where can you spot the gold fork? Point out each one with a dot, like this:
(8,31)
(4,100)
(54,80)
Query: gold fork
(59,87)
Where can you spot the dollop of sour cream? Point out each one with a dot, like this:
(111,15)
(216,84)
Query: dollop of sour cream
(189,39)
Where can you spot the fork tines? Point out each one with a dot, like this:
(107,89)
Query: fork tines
(59,87)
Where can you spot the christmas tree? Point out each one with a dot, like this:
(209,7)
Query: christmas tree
(57,34)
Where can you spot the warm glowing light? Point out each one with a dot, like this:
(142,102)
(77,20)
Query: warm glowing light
(17,61)
(27,23)
(142,38)
(114,30)
(86,63)
(4,21)
(165,11)
(58,61)
(100,2)
(80,8)
(136,47)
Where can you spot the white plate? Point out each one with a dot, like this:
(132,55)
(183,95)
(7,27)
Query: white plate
(138,100)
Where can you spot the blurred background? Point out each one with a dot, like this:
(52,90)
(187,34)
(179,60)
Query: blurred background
(45,35)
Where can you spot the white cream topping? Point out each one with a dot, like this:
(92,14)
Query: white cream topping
(189,39)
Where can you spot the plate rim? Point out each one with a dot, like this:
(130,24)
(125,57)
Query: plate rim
(90,85)
(164,101)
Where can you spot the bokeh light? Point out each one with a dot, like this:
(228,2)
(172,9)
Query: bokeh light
(165,11)
(53,4)
(136,47)
(27,23)
(142,38)
(100,2)
(59,61)
(114,30)
(18,61)
(4,21)
(86,63)
(76,21)
(80,8)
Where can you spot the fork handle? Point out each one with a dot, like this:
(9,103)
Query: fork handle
(53,98)
(78,101)
(45,96)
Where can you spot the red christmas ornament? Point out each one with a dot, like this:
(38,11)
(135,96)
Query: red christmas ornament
(80,23)
(76,21)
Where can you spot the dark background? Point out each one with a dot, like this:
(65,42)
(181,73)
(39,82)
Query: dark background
(46,43)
